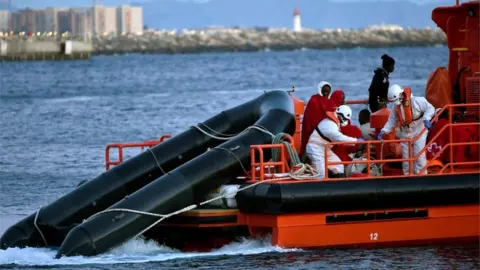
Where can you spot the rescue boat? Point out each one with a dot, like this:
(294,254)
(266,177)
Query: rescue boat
(248,156)
(386,209)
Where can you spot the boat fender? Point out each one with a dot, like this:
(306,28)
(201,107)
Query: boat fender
(213,194)
(228,193)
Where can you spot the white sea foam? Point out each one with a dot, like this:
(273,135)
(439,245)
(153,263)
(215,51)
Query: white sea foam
(134,251)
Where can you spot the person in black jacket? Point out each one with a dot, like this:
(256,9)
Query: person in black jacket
(379,87)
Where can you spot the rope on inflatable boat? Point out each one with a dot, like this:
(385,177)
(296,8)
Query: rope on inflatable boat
(302,171)
(38,229)
(162,217)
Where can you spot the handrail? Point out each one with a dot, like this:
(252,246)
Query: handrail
(356,102)
(411,158)
(448,144)
(121,146)
(262,164)
(283,162)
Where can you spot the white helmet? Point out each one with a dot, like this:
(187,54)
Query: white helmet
(321,85)
(395,94)
(344,113)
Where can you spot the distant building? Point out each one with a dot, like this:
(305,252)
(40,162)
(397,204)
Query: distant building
(97,20)
(64,21)
(78,21)
(4,20)
(40,21)
(51,20)
(297,23)
(73,21)
(129,19)
(104,20)
(24,21)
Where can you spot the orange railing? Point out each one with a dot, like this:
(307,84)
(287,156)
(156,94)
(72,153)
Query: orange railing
(262,165)
(122,146)
(356,102)
(412,158)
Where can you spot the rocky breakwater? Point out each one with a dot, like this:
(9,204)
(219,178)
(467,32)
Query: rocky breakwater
(231,40)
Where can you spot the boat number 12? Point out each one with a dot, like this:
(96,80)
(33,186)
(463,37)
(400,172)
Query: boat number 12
(374,236)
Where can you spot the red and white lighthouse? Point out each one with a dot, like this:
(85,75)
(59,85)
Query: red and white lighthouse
(297,23)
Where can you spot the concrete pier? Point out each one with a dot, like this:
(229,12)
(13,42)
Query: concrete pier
(20,49)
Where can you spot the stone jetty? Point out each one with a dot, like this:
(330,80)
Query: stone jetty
(238,40)
(253,39)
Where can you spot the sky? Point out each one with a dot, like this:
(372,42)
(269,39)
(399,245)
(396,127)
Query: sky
(316,14)
(59,3)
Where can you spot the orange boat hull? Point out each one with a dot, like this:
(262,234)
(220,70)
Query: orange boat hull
(391,228)
(312,231)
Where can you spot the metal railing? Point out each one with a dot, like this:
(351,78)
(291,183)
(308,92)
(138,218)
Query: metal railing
(411,158)
(122,146)
(261,165)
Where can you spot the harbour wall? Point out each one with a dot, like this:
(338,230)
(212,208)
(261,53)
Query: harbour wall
(238,40)
(222,40)
(21,49)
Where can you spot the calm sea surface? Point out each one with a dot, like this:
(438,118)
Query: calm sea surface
(57,117)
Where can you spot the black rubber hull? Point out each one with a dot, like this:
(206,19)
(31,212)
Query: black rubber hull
(179,188)
(55,220)
(366,194)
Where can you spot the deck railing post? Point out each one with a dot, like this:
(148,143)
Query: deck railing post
(325,156)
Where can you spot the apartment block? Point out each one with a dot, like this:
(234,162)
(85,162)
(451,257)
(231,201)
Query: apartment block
(73,21)
(4,20)
(96,20)
(104,20)
(24,20)
(129,19)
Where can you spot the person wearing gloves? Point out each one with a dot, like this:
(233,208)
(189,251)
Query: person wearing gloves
(411,114)
(315,112)
(328,130)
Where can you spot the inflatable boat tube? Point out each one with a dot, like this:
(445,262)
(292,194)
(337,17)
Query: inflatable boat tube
(273,111)
(56,219)
(328,196)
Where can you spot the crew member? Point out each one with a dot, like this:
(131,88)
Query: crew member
(315,112)
(343,151)
(329,131)
(380,83)
(411,114)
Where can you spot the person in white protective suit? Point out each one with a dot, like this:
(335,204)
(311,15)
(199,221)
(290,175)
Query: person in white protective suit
(411,115)
(328,130)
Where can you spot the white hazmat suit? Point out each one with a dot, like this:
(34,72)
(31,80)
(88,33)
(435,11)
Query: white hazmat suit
(422,111)
(330,129)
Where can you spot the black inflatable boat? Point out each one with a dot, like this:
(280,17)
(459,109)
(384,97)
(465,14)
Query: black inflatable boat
(186,169)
